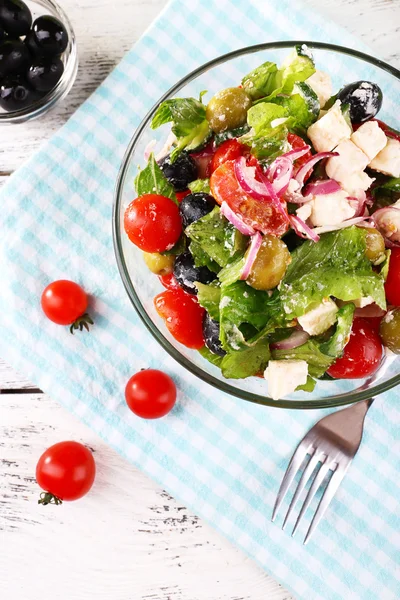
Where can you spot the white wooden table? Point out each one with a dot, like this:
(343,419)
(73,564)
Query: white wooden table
(128,539)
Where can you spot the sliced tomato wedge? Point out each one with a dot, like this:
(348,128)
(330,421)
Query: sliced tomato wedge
(261,215)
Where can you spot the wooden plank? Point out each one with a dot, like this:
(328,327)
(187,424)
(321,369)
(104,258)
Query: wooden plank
(127,539)
(12,382)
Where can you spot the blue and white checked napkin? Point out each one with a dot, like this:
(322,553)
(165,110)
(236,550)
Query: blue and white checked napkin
(222,457)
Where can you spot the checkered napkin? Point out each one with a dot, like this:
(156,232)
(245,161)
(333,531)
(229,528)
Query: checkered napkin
(221,456)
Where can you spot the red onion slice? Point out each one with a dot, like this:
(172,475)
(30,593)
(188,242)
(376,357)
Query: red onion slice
(302,172)
(246,178)
(236,220)
(388,228)
(280,174)
(256,241)
(295,154)
(296,339)
(302,229)
(322,187)
(280,207)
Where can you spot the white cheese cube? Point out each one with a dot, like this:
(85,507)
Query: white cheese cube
(356,182)
(284,376)
(388,159)
(350,160)
(329,130)
(330,209)
(304,212)
(319,319)
(321,83)
(361,302)
(369,138)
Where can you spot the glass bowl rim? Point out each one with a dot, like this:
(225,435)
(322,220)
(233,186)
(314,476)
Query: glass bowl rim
(64,85)
(327,402)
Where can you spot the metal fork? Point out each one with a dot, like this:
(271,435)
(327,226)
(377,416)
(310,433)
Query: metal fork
(332,443)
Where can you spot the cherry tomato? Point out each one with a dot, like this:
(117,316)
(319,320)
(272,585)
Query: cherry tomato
(228,150)
(392,285)
(183,317)
(362,354)
(150,394)
(66,471)
(261,215)
(65,303)
(181,195)
(297,142)
(153,223)
(169,281)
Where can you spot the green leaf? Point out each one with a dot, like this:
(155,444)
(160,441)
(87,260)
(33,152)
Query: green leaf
(335,345)
(151,180)
(241,304)
(385,265)
(298,66)
(266,141)
(217,237)
(202,93)
(335,266)
(310,98)
(389,188)
(345,108)
(202,259)
(260,82)
(230,134)
(247,362)
(309,385)
(259,117)
(232,271)
(317,362)
(179,247)
(214,359)
(209,297)
(297,110)
(199,185)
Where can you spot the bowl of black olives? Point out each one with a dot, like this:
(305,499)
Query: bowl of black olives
(38,58)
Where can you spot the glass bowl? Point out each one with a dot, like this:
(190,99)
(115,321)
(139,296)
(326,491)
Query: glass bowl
(344,66)
(69,58)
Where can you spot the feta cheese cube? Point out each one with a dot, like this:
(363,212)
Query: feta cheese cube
(361,302)
(330,209)
(350,160)
(304,212)
(319,319)
(356,182)
(321,83)
(329,130)
(388,159)
(284,376)
(369,138)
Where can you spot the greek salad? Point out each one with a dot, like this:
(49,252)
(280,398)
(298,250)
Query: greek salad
(272,218)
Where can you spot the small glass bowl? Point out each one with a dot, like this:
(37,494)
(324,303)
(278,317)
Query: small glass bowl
(344,65)
(69,58)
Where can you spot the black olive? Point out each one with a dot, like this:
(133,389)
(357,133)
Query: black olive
(32,46)
(211,335)
(15,17)
(195,206)
(14,58)
(50,35)
(186,273)
(15,93)
(3,34)
(44,74)
(181,172)
(364,99)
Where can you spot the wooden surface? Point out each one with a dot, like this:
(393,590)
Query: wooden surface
(128,539)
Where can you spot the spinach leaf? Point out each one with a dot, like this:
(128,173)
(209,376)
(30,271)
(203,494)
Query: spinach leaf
(151,180)
(245,363)
(217,237)
(209,297)
(261,81)
(335,266)
(335,345)
(199,185)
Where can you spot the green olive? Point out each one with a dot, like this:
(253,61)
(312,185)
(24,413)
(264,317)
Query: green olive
(390,330)
(228,109)
(270,264)
(375,246)
(159,264)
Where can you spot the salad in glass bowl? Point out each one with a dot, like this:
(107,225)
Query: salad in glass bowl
(272,217)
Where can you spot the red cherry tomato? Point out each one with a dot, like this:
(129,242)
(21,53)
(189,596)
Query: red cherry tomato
(263,215)
(169,281)
(150,394)
(297,142)
(362,354)
(392,285)
(66,471)
(228,150)
(181,195)
(183,317)
(64,301)
(153,223)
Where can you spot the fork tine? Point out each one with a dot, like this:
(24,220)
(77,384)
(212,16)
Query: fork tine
(311,492)
(315,457)
(294,465)
(330,491)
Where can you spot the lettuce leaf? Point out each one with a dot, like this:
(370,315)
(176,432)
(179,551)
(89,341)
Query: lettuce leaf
(335,266)
(199,185)
(266,141)
(151,180)
(188,117)
(217,237)
(335,345)
(247,362)
(202,259)
(297,111)
(317,361)
(209,297)
(214,359)
(232,271)
(261,81)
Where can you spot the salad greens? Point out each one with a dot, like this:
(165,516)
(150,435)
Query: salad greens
(209,297)
(151,180)
(202,259)
(250,361)
(317,361)
(199,185)
(334,346)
